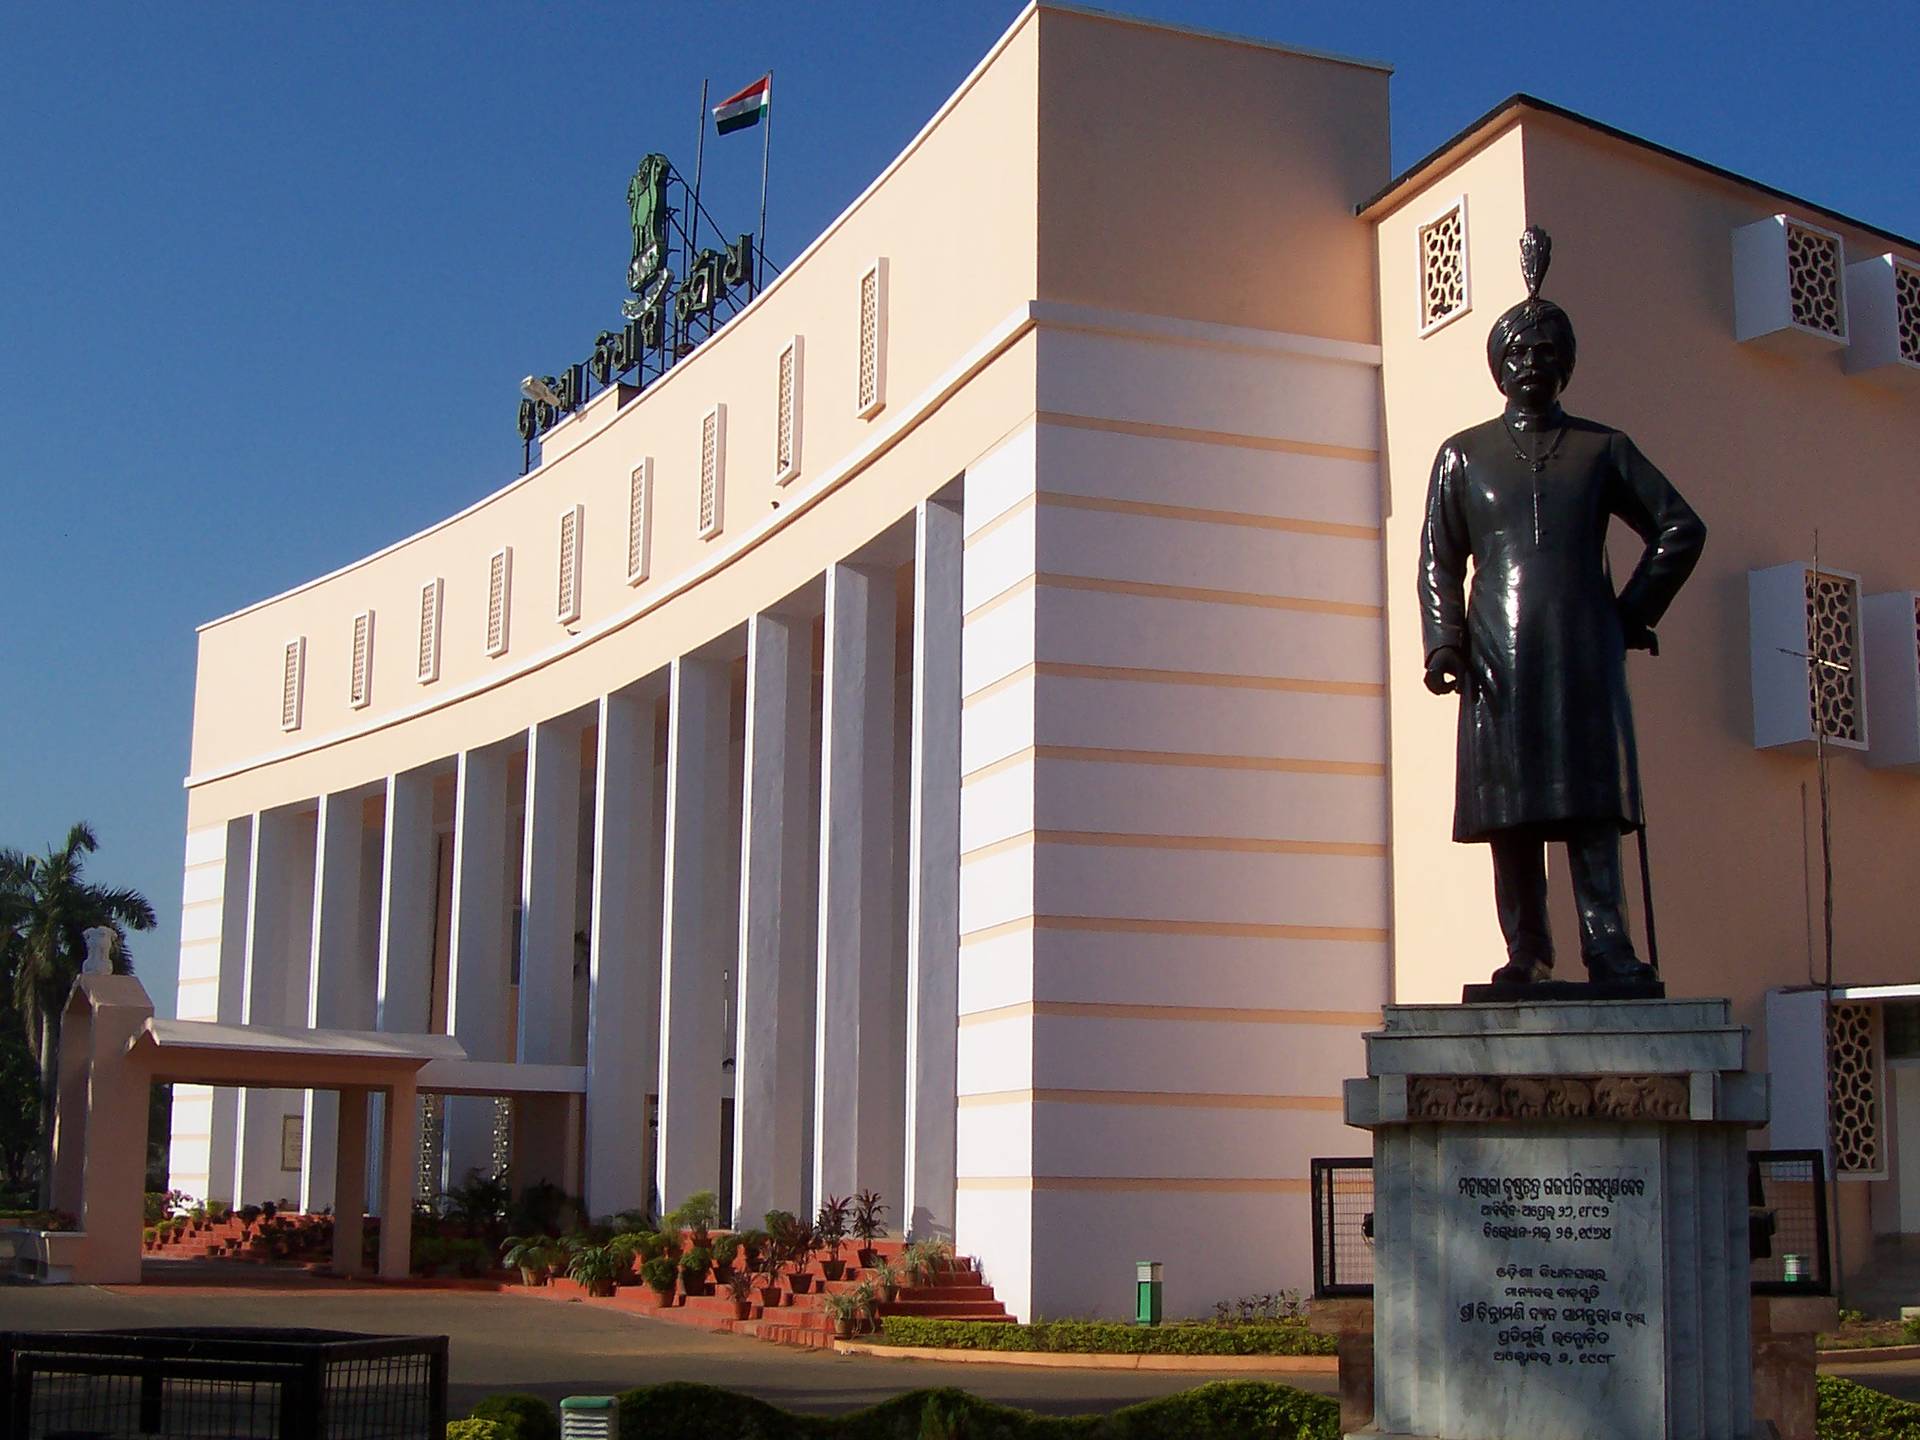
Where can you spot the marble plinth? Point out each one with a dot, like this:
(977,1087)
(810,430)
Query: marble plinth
(1560,1220)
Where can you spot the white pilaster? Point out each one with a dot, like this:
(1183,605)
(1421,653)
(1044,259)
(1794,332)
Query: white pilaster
(204,1117)
(338,994)
(698,932)
(858,1105)
(933,873)
(479,974)
(623,1008)
(406,905)
(279,948)
(772,1065)
(549,869)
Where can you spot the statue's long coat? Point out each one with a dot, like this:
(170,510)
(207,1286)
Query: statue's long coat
(1546,731)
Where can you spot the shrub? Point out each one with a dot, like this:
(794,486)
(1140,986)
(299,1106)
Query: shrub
(1846,1411)
(1225,1410)
(1106,1337)
(660,1274)
(477,1430)
(699,1212)
(523,1417)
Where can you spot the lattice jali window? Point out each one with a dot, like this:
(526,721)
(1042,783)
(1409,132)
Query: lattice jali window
(1443,267)
(499,598)
(640,521)
(1813,280)
(431,595)
(1833,640)
(433,1134)
(293,682)
(567,595)
(1906,309)
(713,470)
(360,669)
(872,380)
(1853,1088)
(786,428)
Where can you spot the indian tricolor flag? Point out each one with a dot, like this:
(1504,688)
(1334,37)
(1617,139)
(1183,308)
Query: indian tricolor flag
(749,107)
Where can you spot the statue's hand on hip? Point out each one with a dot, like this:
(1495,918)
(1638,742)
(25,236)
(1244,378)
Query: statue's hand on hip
(1446,668)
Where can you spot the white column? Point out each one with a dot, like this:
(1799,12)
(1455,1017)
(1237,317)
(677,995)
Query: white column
(549,869)
(623,1008)
(223,1146)
(406,905)
(481,956)
(933,873)
(273,992)
(697,930)
(855,1089)
(773,1052)
(336,992)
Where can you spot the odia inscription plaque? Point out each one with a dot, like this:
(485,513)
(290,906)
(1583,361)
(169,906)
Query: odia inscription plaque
(1553,1276)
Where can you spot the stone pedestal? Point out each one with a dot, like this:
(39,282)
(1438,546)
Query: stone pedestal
(1560,1220)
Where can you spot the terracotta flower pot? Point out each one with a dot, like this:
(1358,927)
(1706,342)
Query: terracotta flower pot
(868,1257)
(743,1309)
(771,1296)
(833,1269)
(843,1328)
(800,1282)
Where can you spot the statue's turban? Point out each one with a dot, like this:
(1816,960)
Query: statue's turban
(1528,315)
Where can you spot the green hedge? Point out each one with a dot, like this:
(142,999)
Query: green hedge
(1227,1410)
(1106,1337)
(521,1416)
(1846,1411)
(477,1430)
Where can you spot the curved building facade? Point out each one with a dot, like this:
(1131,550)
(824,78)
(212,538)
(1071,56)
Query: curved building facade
(936,738)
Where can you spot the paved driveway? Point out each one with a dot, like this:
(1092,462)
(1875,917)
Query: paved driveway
(504,1342)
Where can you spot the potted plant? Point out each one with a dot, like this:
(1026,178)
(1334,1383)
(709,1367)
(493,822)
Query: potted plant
(694,1266)
(740,1291)
(660,1273)
(753,1248)
(831,1226)
(532,1256)
(844,1310)
(926,1260)
(429,1254)
(698,1214)
(866,1226)
(868,1296)
(151,1237)
(627,1249)
(886,1281)
(803,1241)
(592,1268)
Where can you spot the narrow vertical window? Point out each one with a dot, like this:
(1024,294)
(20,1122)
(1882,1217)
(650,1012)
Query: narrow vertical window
(429,657)
(360,671)
(713,470)
(640,521)
(872,387)
(1444,294)
(1814,265)
(293,683)
(1833,642)
(786,429)
(567,598)
(1906,309)
(499,598)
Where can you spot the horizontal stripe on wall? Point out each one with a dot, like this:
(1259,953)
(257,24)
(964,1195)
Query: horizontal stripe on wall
(1188,1014)
(1141,589)
(1365,769)
(184,1137)
(1205,437)
(1064,670)
(1190,514)
(1225,1185)
(1220,843)
(1099,924)
(1162,1098)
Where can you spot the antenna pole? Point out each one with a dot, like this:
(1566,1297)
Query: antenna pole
(699,163)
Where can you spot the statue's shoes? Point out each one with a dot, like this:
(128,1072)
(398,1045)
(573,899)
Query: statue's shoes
(1621,969)
(1523,972)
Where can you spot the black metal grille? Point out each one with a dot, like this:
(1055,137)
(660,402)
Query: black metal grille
(222,1384)
(1343,1227)
(1786,1219)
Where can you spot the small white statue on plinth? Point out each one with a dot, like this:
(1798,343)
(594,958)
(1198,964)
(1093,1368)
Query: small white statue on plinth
(99,959)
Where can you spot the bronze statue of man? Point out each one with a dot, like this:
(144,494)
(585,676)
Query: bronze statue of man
(1537,648)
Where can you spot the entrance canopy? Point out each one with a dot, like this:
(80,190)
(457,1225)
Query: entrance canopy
(201,1052)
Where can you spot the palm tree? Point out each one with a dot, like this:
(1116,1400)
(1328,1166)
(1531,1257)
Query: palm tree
(45,908)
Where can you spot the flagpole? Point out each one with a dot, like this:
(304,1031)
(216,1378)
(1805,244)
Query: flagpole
(766,148)
(699,162)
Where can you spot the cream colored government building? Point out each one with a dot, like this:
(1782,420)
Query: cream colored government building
(960,733)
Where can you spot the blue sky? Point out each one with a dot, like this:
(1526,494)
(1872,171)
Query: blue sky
(270,274)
